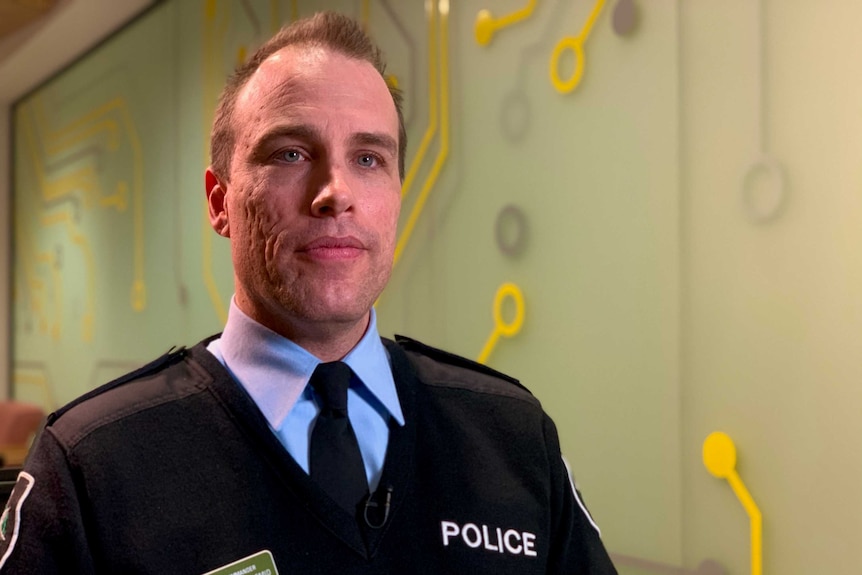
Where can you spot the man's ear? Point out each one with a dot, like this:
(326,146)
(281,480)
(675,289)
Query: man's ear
(216,202)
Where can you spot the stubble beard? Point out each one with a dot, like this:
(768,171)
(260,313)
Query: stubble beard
(329,303)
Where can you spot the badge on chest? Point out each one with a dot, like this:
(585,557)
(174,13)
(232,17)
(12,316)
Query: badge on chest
(260,563)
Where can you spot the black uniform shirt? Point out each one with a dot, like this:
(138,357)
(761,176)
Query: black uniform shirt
(174,470)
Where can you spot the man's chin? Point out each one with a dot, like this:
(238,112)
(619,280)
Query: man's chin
(335,313)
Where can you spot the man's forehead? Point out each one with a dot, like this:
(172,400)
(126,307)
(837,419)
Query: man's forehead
(298,69)
(306,65)
(279,69)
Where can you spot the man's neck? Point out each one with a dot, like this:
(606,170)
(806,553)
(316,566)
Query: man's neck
(331,344)
(328,341)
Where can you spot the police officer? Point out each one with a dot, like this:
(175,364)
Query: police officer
(298,440)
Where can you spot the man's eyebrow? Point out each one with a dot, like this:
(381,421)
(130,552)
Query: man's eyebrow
(375,139)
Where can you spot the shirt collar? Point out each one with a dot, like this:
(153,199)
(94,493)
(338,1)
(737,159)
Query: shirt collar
(275,371)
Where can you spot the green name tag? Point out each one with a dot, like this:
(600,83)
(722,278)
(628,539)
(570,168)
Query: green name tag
(257,564)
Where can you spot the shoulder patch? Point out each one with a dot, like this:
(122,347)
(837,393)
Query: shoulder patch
(409,344)
(10,520)
(576,492)
(174,354)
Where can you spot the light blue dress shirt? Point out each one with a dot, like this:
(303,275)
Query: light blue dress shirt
(275,371)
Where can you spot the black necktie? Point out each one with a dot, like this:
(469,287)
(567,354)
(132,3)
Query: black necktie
(334,459)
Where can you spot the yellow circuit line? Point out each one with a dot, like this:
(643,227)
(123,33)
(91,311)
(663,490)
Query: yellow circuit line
(501,326)
(591,21)
(74,133)
(80,240)
(444,133)
(47,258)
(119,199)
(34,283)
(486,25)
(431,130)
(56,146)
(274,16)
(208,111)
(85,178)
(576,44)
(719,458)
(29,273)
(209,278)
(86,181)
(365,14)
(139,293)
(85,127)
(490,344)
(82,179)
(515,17)
(756,520)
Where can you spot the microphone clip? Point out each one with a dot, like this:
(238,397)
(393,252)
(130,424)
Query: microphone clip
(372,504)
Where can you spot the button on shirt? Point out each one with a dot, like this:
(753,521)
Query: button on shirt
(274,371)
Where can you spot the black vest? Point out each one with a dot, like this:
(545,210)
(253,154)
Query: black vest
(173,469)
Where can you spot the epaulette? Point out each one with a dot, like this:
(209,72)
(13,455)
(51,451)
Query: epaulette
(171,356)
(452,359)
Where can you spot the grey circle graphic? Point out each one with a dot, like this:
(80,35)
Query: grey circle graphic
(625,17)
(510,230)
(765,203)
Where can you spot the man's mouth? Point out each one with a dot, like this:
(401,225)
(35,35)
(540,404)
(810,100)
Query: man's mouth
(333,248)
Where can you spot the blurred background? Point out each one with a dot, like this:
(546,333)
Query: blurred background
(648,211)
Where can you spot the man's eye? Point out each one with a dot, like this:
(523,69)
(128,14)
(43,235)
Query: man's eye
(291,156)
(367,160)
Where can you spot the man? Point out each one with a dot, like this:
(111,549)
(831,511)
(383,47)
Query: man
(298,441)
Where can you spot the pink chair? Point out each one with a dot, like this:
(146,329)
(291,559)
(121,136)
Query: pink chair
(18,422)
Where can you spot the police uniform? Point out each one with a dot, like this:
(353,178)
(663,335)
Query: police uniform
(172,469)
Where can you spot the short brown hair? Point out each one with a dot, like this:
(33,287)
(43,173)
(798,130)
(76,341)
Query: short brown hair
(331,30)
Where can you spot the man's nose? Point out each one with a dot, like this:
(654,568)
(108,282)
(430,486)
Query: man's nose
(334,194)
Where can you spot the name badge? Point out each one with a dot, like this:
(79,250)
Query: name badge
(260,563)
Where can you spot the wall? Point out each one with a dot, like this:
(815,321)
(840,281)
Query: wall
(81,25)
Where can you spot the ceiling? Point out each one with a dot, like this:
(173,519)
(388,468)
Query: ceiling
(16,14)
(19,19)
(40,37)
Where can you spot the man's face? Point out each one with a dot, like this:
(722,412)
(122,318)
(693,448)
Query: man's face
(312,202)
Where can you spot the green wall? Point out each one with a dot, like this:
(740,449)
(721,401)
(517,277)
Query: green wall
(684,226)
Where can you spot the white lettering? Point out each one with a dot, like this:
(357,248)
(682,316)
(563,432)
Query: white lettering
(474,535)
(450,529)
(487,538)
(509,547)
(530,544)
(471,527)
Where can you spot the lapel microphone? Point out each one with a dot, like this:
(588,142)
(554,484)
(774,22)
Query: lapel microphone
(372,504)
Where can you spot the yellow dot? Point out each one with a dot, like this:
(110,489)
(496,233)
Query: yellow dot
(484,27)
(241,55)
(392,80)
(719,454)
